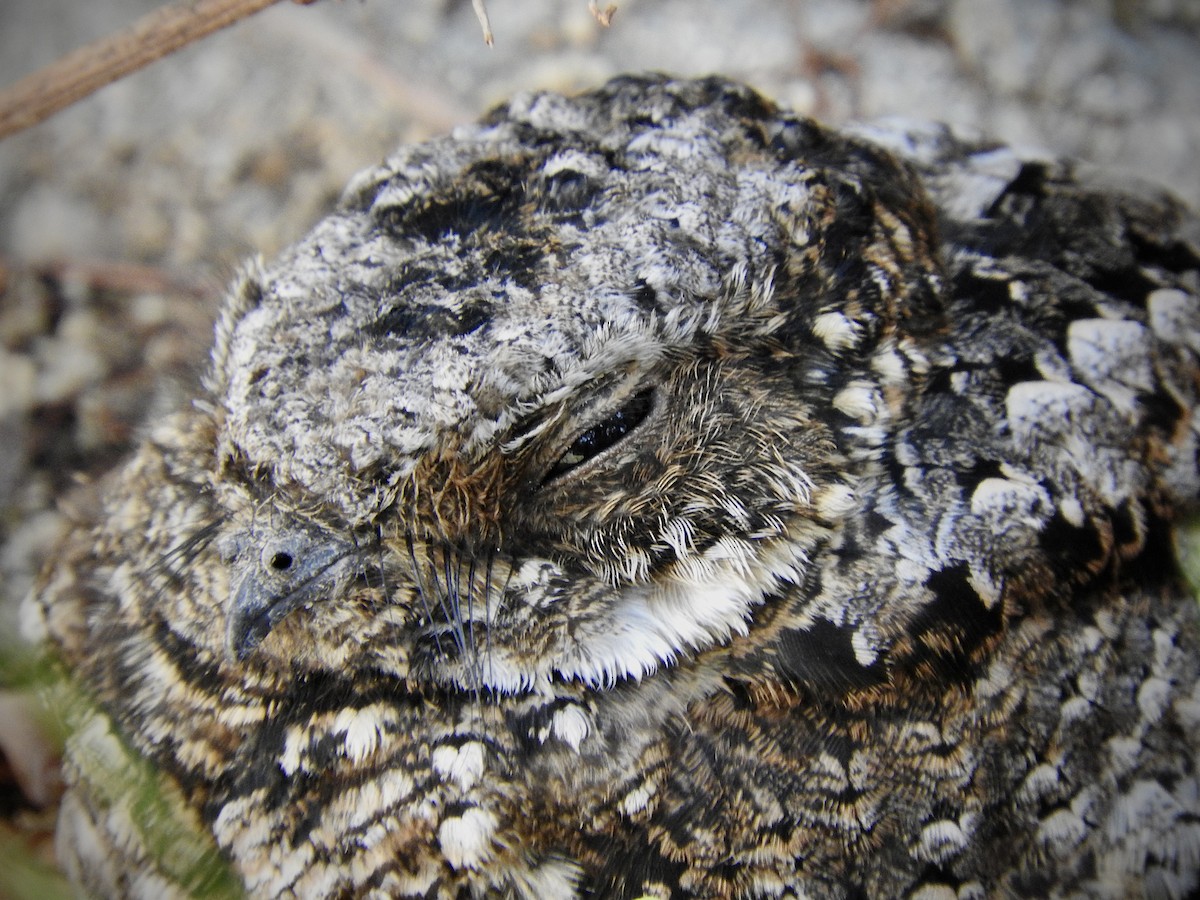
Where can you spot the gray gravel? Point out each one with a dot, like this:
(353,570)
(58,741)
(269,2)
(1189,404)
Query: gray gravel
(121,219)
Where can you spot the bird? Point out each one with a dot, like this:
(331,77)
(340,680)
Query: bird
(655,493)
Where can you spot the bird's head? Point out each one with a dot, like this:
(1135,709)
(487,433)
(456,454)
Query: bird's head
(573,393)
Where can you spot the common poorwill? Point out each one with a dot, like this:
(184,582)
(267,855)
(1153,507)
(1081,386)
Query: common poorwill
(657,494)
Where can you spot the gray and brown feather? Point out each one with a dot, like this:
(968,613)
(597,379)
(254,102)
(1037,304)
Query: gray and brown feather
(656,494)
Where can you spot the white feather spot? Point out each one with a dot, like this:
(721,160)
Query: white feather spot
(1145,805)
(1090,639)
(836,501)
(1165,649)
(1113,357)
(1187,709)
(1124,753)
(570,725)
(1005,501)
(1174,316)
(1061,831)
(463,765)
(1042,781)
(1089,685)
(865,652)
(940,840)
(835,331)
(859,400)
(361,729)
(1075,710)
(989,591)
(1038,407)
(554,879)
(889,366)
(293,742)
(636,800)
(1153,697)
(571,161)
(466,840)
(934,892)
(1072,511)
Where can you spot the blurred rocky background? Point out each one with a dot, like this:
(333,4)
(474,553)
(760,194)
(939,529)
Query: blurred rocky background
(122,218)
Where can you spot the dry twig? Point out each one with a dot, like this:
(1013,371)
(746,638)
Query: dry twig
(481,14)
(86,70)
(91,67)
(603,16)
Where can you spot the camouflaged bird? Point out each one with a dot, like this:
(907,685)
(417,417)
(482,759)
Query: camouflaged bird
(653,493)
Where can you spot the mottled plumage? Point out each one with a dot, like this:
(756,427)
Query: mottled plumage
(655,493)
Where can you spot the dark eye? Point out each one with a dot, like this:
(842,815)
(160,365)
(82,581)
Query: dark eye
(604,434)
(281,561)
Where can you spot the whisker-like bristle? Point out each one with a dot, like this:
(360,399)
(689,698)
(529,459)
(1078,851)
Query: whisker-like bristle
(472,648)
(487,612)
(456,583)
(450,603)
(422,591)
(183,553)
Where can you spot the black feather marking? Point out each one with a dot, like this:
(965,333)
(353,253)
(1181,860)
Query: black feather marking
(823,655)
(949,631)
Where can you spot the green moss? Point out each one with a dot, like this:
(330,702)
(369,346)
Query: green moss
(23,878)
(114,776)
(1187,545)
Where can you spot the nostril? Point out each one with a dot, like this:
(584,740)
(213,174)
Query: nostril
(281,561)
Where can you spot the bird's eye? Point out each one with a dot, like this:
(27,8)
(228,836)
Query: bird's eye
(604,434)
(281,561)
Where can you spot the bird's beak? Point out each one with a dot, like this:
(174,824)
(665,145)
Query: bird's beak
(278,575)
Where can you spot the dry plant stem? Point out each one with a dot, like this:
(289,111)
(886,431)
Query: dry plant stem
(603,16)
(91,67)
(481,14)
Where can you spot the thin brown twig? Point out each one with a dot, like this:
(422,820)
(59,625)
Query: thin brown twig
(78,74)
